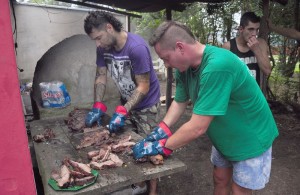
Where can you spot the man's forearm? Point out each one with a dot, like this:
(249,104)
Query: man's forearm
(264,64)
(262,56)
(135,98)
(174,113)
(99,92)
(100,84)
(143,84)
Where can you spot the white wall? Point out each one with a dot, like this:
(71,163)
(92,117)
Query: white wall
(39,28)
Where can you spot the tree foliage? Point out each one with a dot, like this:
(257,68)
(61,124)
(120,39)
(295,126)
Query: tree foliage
(217,23)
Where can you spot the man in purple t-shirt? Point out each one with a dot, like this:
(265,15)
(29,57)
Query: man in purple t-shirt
(127,58)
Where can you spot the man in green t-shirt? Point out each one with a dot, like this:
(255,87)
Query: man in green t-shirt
(238,121)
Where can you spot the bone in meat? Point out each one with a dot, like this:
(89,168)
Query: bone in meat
(103,165)
(122,146)
(93,138)
(84,168)
(102,154)
(77,174)
(116,159)
(84,180)
(156,160)
(48,134)
(63,181)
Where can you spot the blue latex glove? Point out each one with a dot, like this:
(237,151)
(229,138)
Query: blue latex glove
(162,131)
(95,114)
(146,148)
(117,120)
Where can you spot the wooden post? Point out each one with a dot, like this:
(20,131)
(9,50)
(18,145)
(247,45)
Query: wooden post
(169,73)
(263,33)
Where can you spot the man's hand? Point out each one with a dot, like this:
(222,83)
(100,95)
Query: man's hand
(146,148)
(95,114)
(118,119)
(162,131)
(253,44)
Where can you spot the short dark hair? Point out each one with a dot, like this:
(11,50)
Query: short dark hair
(97,19)
(249,16)
(169,32)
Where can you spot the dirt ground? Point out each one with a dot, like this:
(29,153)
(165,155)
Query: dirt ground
(197,179)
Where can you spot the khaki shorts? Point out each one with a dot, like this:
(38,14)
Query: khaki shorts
(145,120)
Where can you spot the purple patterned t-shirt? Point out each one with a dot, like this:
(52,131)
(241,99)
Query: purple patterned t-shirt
(134,58)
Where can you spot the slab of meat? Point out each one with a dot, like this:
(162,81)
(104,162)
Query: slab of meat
(83,181)
(83,168)
(93,138)
(111,161)
(48,134)
(103,165)
(77,174)
(123,146)
(63,179)
(93,153)
(76,119)
(156,160)
(116,159)
(72,173)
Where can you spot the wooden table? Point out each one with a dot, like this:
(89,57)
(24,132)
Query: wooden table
(50,154)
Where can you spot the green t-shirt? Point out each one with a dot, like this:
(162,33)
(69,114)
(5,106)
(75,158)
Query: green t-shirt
(222,86)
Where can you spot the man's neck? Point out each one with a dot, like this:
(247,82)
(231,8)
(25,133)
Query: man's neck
(241,41)
(121,38)
(242,44)
(199,51)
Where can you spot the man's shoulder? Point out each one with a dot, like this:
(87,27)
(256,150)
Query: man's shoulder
(227,44)
(261,40)
(136,38)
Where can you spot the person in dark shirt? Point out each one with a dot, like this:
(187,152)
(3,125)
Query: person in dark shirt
(250,49)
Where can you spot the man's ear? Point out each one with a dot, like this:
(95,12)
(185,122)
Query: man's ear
(109,27)
(180,46)
(240,28)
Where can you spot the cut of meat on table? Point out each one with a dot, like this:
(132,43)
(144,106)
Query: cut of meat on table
(77,174)
(93,138)
(63,178)
(72,173)
(113,157)
(76,119)
(83,181)
(123,146)
(156,160)
(103,155)
(83,168)
(112,161)
(48,134)
(103,165)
